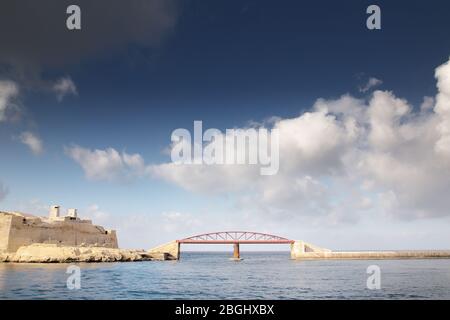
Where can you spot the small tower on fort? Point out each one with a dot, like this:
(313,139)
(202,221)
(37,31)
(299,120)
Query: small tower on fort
(54,212)
(72,213)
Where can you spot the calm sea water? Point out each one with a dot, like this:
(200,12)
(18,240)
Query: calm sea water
(261,275)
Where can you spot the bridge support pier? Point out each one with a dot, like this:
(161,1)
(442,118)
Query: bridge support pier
(236,253)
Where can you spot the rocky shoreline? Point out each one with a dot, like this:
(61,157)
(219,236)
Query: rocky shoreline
(53,253)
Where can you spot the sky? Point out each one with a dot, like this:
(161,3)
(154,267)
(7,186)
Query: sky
(86,117)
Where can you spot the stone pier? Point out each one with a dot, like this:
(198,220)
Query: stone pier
(301,250)
(171,249)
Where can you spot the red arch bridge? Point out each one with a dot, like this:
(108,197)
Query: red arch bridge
(235,238)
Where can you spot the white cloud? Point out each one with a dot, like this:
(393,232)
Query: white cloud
(332,153)
(341,160)
(177,222)
(146,230)
(203,178)
(98,216)
(107,164)
(32,141)
(371,83)
(11,111)
(427,104)
(442,109)
(8,92)
(385,112)
(63,87)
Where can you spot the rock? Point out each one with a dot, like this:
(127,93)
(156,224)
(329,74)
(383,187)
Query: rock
(54,253)
(3,257)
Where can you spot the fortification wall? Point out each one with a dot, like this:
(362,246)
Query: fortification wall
(5,224)
(24,232)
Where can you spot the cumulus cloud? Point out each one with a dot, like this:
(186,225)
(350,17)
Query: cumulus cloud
(345,157)
(427,104)
(11,111)
(107,164)
(97,215)
(32,141)
(8,93)
(146,229)
(340,160)
(371,83)
(442,109)
(63,87)
(177,222)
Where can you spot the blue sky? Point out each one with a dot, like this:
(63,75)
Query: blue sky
(138,73)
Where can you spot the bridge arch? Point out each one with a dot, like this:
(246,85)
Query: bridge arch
(235,238)
(172,249)
(232,237)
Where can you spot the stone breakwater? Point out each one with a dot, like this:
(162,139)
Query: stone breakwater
(306,251)
(54,253)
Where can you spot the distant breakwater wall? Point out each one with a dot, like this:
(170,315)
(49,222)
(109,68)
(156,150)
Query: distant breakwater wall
(301,250)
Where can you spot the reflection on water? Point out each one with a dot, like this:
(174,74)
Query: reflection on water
(261,275)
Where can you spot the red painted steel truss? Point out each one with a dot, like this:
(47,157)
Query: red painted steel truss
(228,237)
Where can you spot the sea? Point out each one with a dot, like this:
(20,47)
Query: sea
(212,275)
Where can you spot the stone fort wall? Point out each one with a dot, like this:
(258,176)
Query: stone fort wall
(18,230)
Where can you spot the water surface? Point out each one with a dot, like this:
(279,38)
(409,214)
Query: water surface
(201,275)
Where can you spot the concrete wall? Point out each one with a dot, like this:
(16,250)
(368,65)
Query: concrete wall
(26,231)
(301,249)
(375,255)
(172,249)
(305,251)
